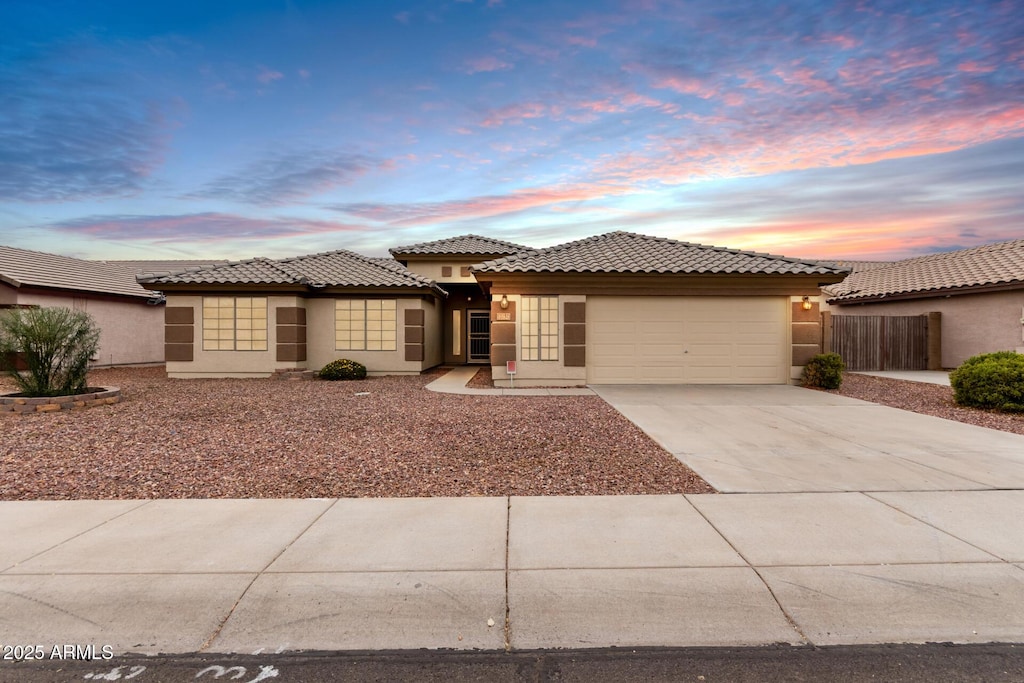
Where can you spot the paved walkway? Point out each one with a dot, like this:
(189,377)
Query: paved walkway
(875,564)
(172,576)
(775,439)
(454,382)
(927,376)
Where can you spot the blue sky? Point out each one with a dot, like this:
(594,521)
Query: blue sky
(236,129)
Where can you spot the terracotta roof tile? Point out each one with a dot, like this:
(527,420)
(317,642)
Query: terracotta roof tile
(992,264)
(25,268)
(626,252)
(463,244)
(330,269)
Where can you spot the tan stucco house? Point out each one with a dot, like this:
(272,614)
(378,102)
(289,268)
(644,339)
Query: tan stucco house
(615,308)
(130,318)
(978,292)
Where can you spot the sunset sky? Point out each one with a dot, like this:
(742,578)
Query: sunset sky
(231,129)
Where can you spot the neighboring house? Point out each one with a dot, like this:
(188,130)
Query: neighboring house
(979,293)
(616,308)
(130,318)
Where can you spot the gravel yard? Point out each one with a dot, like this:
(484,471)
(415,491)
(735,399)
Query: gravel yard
(269,438)
(930,399)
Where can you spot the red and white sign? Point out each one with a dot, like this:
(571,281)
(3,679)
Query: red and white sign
(510,367)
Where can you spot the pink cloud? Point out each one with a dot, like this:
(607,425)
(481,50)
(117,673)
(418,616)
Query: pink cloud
(514,114)
(427,213)
(805,78)
(810,140)
(684,85)
(975,68)
(485,65)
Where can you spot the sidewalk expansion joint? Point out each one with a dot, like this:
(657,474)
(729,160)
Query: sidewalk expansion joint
(220,626)
(141,504)
(508,609)
(785,612)
(940,530)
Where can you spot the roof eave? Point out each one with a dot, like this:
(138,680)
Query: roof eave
(928,293)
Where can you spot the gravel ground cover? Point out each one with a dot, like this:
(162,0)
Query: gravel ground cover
(482,379)
(270,438)
(929,399)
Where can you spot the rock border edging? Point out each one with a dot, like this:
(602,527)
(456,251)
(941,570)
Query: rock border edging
(52,404)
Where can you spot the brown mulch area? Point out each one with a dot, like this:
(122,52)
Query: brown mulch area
(269,438)
(929,399)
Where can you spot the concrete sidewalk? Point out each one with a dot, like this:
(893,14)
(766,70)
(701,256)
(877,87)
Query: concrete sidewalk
(454,382)
(176,576)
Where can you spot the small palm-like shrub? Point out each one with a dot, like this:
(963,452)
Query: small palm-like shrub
(990,380)
(824,371)
(343,369)
(55,344)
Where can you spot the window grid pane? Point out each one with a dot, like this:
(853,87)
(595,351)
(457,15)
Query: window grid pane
(365,324)
(234,323)
(540,328)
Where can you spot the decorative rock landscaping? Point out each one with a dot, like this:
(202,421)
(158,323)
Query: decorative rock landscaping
(50,404)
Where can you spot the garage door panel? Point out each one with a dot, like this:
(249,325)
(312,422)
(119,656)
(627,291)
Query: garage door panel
(734,340)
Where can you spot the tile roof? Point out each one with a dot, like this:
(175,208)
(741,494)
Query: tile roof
(626,252)
(329,269)
(463,244)
(1001,263)
(25,268)
(856,266)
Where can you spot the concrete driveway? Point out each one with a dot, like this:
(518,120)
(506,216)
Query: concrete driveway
(764,439)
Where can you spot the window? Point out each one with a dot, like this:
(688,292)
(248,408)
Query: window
(456,332)
(365,324)
(540,328)
(234,323)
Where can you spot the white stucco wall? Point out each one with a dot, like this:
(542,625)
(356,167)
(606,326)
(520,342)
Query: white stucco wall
(971,323)
(131,332)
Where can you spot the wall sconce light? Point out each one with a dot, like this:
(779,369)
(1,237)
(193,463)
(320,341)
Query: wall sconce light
(504,301)
(806,305)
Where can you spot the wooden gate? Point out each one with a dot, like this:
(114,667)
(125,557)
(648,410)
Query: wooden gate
(881,342)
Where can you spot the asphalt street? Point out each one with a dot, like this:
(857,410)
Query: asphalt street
(911,663)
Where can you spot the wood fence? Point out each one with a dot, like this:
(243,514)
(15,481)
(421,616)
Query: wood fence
(881,342)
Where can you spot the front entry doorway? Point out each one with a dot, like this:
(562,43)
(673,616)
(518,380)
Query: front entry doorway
(479,336)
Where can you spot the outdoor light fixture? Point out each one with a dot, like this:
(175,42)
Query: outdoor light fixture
(504,301)
(807,303)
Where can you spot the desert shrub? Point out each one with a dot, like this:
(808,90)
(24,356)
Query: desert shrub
(990,380)
(824,371)
(343,369)
(55,344)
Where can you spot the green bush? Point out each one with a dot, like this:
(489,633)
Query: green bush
(824,371)
(991,380)
(343,369)
(56,345)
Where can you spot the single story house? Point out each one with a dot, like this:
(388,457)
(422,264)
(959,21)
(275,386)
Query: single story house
(614,308)
(130,318)
(979,293)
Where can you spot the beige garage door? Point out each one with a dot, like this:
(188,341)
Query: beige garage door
(688,340)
